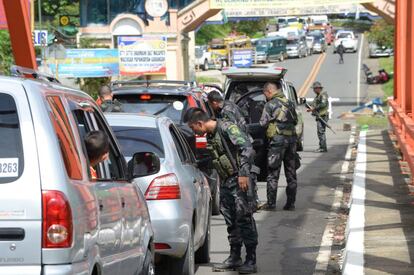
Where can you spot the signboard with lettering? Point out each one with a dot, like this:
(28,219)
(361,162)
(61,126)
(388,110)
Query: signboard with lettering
(86,63)
(242,58)
(40,37)
(267,4)
(142,55)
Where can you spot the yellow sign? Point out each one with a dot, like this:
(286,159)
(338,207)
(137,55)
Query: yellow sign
(64,20)
(265,4)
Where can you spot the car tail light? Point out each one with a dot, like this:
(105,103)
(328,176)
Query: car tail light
(57,229)
(164,188)
(201,142)
(161,246)
(145,97)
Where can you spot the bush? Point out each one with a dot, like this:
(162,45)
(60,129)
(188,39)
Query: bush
(382,33)
(6,54)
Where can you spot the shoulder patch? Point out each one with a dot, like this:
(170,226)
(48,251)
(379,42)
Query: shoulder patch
(234,130)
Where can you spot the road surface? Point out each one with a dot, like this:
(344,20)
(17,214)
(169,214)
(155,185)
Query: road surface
(289,242)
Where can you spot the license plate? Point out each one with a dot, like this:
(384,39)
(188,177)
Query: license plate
(9,167)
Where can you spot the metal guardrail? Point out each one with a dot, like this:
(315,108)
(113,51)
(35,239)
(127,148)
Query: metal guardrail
(403,128)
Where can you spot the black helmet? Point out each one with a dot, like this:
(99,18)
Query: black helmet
(317,84)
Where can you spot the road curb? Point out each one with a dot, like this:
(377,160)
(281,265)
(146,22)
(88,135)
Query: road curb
(353,263)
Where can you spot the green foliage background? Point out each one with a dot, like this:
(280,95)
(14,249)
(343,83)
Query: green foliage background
(382,33)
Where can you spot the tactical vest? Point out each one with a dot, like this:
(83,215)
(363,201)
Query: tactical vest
(318,100)
(221,161)
(286,120)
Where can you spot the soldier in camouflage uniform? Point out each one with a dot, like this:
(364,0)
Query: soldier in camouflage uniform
(279,118)
(232,154)
(227,110)
(320,106)
(108,104)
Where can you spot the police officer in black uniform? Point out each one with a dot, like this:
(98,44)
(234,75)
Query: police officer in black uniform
(279,117)
(227,110)
(108,103)
(233,156)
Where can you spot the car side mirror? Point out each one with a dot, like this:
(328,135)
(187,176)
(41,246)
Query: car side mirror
(143,164)
(204,162)
(302,100)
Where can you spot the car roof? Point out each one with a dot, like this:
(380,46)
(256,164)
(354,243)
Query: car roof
(256,72)
(161,89)
(271,38)
(132,120)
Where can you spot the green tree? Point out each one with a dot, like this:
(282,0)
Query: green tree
(6,54)
(382,33)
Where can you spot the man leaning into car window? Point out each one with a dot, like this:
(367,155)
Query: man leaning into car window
(97,147)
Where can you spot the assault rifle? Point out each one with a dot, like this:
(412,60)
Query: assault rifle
(318,117)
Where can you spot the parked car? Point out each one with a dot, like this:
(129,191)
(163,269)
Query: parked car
(203,58)
(177,192)
(319,45)
(55,217)
(348,39)
(296,47)
(379,51)
(171,99)
(271,49)
(244,86)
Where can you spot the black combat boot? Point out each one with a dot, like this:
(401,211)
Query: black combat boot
(232,262)
(249,266)
(290,204)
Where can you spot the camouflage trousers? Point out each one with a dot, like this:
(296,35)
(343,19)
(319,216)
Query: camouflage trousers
(321,127)
(282,150)
(234,206)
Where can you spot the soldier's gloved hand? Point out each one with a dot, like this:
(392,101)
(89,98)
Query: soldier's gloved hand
(244,183)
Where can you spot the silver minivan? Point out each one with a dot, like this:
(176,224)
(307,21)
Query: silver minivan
(55,217)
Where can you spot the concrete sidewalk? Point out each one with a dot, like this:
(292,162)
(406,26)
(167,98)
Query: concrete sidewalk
(382,206)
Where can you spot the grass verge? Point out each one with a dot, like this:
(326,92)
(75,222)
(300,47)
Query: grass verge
(373,122)
(207,79)
(388,65)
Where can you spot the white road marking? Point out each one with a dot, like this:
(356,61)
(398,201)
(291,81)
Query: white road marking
(354,250)
(324,254)
(359,69)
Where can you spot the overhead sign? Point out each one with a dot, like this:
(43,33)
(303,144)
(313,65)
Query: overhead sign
(40,37)
(84,63)
(269,12)
(142,55)
(242,58)
(267,4)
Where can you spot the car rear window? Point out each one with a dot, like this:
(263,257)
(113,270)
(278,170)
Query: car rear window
(238,88)
(11,152)
(345,35)
(171,106)
(139,139)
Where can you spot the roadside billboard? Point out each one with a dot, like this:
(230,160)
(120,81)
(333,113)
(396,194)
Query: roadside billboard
(142,55)
(85,63)
(266,4)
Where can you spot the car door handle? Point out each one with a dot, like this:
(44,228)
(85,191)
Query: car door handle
(123,202)
(100,205)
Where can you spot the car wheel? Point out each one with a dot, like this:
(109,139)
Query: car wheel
(205,66)
(148,268)
(203,253)
(186,264)
(216,197)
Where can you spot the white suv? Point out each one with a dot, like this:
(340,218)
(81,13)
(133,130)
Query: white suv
(348,39)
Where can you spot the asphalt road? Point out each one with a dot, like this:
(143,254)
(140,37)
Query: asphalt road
(289,242)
